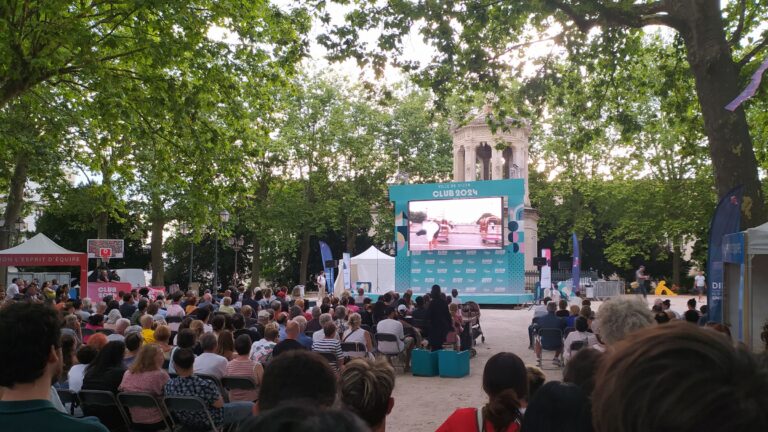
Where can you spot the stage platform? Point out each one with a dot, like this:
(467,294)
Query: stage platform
(483,299)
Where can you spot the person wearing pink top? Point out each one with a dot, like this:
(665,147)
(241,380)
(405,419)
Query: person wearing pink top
(243,366)
(146,376)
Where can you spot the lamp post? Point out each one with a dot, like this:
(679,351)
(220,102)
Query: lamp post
(185,230)
(236,244)
(223,218)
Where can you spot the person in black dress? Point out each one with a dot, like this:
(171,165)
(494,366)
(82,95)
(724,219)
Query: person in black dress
(439,319)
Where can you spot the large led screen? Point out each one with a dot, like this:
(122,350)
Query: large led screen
(455,224)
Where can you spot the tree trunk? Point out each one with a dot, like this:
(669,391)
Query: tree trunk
(717,84)
(350,239)
(676,263)
(304,260)
(158,268)
(256,263)
(13,207)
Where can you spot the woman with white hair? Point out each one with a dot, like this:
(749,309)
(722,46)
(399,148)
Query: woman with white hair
(621,316)
(112,318)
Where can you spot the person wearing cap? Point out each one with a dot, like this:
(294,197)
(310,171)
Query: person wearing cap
(391,325)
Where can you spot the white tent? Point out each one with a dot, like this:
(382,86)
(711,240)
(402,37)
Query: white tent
(745,277)
(376,267)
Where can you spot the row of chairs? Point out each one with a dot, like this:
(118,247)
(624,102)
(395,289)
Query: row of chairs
(123,401)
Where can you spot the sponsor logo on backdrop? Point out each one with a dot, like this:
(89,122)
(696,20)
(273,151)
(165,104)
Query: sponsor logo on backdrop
(416,288)
(441,262)
(442,271)
(429,280)
(441,280)
(501,270)
(430,271)
(471,271)
(416,271)
(471,252)
(487,261)
(470,280)
(499,261)
(499,280)
(470,261)
(442,252)
(429,261)
(486,270)
(500,252)
(457,280)
(457,270)
(486,252)
(458,261)
(470,289)
(486,280)
(499,289)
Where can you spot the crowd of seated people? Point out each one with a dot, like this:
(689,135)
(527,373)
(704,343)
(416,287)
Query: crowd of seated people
(305,372)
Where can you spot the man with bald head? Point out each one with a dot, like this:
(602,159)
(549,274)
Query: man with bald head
(291,341)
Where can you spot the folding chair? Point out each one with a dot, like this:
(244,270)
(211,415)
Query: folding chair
(102,398)
(177,404)
(354,349)
(239,383)
(217,381)
(549,339)
(144,400)
(391,347)
(69,397)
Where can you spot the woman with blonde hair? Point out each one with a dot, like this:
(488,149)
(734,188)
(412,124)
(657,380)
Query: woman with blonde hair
(146,376)
(356,334)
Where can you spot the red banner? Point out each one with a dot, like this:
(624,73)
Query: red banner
(98,290)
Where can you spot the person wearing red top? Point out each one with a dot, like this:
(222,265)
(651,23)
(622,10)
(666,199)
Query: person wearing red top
(505,381)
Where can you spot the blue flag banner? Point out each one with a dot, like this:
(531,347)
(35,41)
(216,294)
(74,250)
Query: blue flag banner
(725,220)
(576,265)
(327,255)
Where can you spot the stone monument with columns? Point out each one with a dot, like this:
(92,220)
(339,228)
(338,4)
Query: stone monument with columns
(479,153)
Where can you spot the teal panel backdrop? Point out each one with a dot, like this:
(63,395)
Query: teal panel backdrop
(473,272)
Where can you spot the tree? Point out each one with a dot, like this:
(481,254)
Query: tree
(473,41)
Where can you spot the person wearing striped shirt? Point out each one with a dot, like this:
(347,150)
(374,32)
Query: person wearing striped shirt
(330,344)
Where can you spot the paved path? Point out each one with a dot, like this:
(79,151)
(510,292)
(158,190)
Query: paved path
(422,404)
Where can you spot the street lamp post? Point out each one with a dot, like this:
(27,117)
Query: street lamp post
(185,230)
(223,218)
(236,244)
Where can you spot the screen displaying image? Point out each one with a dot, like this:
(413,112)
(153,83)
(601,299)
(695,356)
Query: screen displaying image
(456,224)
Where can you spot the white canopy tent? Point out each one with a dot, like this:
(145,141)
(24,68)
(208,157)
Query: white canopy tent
(376,267)
(745,296)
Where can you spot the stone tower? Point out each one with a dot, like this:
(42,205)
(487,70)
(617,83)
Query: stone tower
(481,154)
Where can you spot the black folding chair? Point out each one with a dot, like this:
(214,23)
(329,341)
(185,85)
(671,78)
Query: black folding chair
(179,404)
(550,339)
(69,397)
(239,383)
(130,400)
(105,399)
(354,347)
(392,340)
(217,381)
